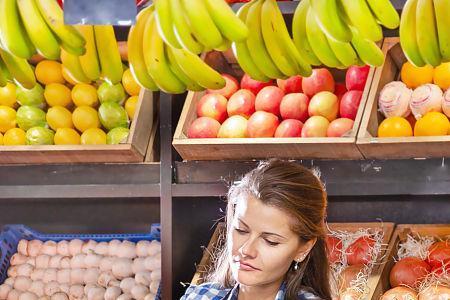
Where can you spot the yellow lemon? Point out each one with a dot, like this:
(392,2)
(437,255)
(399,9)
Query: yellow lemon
(130,106)
(93,136)
(395,127)
(414,76)
(8,95)
(57,94)
(59,117)
(14,137)
(84,95)
(442,76)
(7,118)
(85,117)
(129,83)
(1,139)
(67,136)
(432,124)
(49,71)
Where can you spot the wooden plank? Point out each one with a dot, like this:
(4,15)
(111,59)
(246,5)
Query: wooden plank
(140,130)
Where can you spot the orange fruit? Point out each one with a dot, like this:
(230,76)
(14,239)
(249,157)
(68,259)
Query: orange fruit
(414,76)
(432,124)
(7,118)
(49,71)
(59,117)
(130,106)
(57,94)
(67,136)
(84,94)
(8,95)
(14,137)
(93,136)
(129,83)
(442,76)
(395,127)
(84,118)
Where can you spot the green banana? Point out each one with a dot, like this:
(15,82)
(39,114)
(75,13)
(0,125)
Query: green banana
(164,21)
(344,52)
(228,23)
(191,85)
(13,35)
(317,38)
(201,23)
(299,34)
(408,37)
(73,66)
(4,74)
(181,29)
(71,40)
(242,53)
(136,52)
(329,19)
(426,31)
(368,51)
(89,61)
(385,13)
(255,42)
(156,61)
(21,71)
(40,34)
(226,44)
(441,9)
(108,53)
(360,16)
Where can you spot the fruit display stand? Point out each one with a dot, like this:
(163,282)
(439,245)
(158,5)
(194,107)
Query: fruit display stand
(372,146)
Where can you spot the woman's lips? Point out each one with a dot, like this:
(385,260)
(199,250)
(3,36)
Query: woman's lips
(246,266)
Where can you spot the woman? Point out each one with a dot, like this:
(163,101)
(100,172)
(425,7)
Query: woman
(275,246)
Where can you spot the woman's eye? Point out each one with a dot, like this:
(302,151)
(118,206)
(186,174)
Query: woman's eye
(272,243)
(240,231)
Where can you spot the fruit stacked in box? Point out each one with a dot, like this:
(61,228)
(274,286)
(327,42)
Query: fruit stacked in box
(315,106)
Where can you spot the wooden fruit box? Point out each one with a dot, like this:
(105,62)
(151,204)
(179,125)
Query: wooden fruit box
(139,144)
(403,147)
(261,148)
(218,239)
(400,235)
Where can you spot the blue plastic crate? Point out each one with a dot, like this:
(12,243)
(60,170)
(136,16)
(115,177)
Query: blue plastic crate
(12,234)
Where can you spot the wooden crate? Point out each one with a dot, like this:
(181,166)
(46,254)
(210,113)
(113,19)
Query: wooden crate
(404,147)
(400,235)
(217,240)
(261,148)
(139,145)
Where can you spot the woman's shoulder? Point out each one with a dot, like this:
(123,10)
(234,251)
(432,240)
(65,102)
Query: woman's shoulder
(205,291)
(308,294)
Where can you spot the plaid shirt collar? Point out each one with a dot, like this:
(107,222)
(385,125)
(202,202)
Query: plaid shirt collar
(233,294)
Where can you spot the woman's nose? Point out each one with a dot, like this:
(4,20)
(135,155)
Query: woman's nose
(248,249)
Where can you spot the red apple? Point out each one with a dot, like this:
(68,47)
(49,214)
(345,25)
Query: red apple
(289,128)
(315,126)
(324,104)
(231,86)
(356,77)
(241,103)
(269,99)
(262,124)
(348,108)
(320,80)
(340,90)
(339,127)
(233,127)
(253,85)
(294,106)
(291,85)
(203,127)
(213,106)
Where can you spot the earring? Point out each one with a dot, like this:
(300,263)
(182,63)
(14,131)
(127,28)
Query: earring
(296,265)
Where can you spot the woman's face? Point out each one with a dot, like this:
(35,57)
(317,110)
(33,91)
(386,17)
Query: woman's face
(263,246)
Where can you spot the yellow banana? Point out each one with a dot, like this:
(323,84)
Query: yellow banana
(385,13)
(368,51)
(226,44)
(442,9)
(181,29)
(201,23)
(40,34)
(426,31)
(156,60)
(5,76)
(89,61)
(344,52)
(408,37)
(73,66)
(227,22)
(242,53)
(164,21)
(299,34)
(71,40)
(191,85)
(21,71)
(329,19)
(108,53)
(360,16)
(317,38)
(13,35)
(136,52)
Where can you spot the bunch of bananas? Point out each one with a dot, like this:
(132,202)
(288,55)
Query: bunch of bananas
(341,33)
(30,26)
(425,32)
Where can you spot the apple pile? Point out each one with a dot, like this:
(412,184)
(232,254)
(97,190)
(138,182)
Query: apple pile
(314,106)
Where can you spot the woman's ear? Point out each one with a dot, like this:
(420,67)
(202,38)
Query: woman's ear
(304,250)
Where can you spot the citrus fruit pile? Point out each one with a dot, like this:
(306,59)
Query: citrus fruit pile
(61,111)
(418,105)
